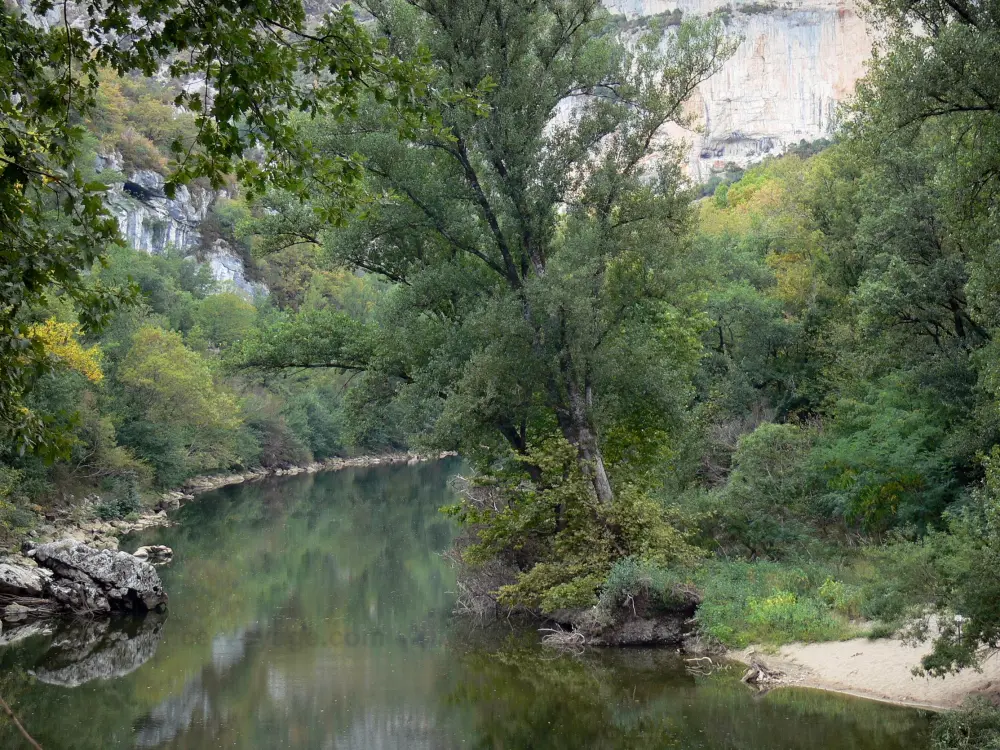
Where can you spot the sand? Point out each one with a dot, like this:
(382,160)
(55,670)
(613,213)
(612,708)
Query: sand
(876,669)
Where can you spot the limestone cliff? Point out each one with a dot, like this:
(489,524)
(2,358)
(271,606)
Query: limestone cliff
(796,63)
(152,222)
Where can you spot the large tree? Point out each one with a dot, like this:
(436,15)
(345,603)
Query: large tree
(534,244)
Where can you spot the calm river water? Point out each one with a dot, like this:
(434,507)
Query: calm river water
(313,612)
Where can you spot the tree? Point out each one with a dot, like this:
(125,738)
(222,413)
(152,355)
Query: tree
(533,246)
(225,318)
(540,319)
(173,412)
(259,65)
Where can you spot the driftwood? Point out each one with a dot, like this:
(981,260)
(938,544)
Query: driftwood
(702,666)
(572,641)
(759,674)
(38,607)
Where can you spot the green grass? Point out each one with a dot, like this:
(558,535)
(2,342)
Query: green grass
(775,603)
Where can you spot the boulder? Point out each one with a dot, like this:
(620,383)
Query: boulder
(92,580)
(170,501)
(21,581)
(154,552)
(15,612)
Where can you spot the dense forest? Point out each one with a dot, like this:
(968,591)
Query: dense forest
(778,390)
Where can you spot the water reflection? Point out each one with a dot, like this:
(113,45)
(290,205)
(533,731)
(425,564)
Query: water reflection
(99,649)
(314,613)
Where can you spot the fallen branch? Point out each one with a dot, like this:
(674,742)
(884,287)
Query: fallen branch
(564,640)
(28,737)
(702,666)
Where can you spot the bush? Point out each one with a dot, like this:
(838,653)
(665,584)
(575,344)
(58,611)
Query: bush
(127,502)
(640,587)
(841,597)
(764,509)
(975,727)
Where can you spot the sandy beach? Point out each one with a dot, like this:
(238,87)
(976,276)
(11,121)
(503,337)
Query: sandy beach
(877,669)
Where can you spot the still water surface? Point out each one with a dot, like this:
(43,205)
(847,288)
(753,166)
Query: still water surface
(313,612)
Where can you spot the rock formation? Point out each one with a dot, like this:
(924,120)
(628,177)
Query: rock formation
(152,222)
(99,581)
(72,578)
(797,63)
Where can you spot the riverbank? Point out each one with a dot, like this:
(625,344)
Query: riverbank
(81,524)
(875,669)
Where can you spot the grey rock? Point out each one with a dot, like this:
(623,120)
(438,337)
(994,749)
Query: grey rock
(169,502)
(80,596)
(155,552)
(21,581)
(100,580)
(15,612)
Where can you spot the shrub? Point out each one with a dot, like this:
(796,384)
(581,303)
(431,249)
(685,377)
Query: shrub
(841,597)
(975,727)
(764,508)
(639,586)
(127,502)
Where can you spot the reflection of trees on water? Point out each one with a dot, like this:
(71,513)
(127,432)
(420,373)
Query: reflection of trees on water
(314,613)
(341,580)
(378,730)
(620,699)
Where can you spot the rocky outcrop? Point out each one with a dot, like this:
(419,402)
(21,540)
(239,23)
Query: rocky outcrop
(23,582)
(796,63)
(98,581)
(152,222)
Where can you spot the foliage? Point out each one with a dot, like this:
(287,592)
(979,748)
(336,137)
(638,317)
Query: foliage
(763,602)
(253,57)
(632,583)
(60,341)
(127,501)
(224,319)
(766,507)
(557,534)
(976,726)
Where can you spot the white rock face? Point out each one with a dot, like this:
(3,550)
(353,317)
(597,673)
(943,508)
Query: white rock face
(152,222)
(796,64)
(149,220)
(228,269)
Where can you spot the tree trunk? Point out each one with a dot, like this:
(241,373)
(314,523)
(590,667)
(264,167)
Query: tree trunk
(579,432)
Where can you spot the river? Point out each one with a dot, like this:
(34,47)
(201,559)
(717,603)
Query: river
(314,612)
